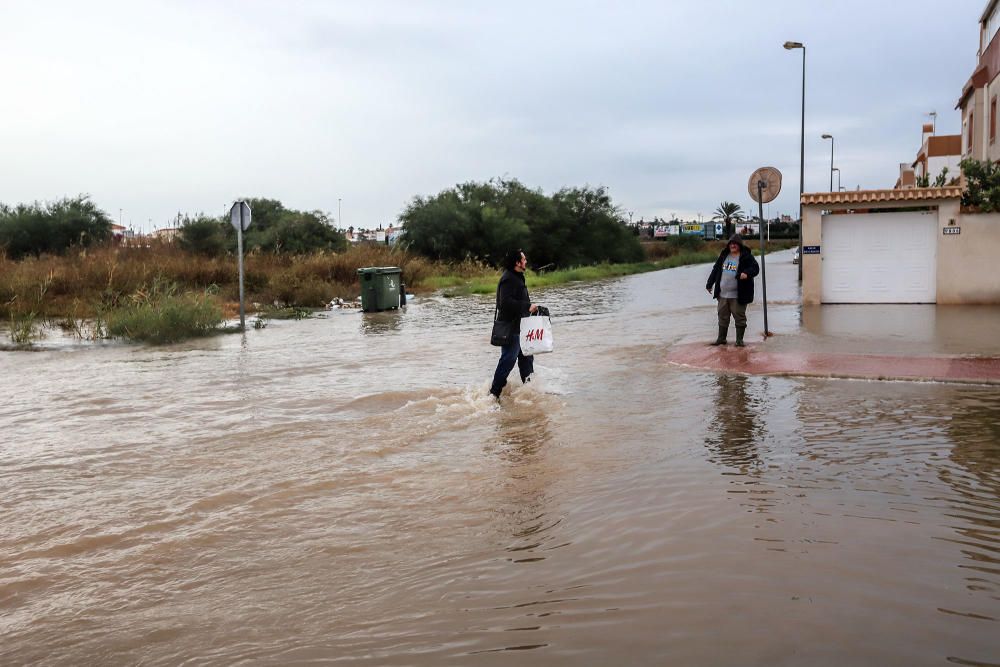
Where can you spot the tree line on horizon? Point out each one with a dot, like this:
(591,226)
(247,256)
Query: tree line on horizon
(477,221)
(54,227)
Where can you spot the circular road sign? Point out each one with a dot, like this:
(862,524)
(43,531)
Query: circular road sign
(771,179)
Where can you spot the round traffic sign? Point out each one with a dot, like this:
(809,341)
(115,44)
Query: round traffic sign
(765,184)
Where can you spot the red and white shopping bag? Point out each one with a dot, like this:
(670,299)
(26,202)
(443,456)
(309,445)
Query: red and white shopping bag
(536,335)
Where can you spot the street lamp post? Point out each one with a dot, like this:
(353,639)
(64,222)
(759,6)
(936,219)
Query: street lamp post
(836,169)
(790,46)
(339,221)
(830,137)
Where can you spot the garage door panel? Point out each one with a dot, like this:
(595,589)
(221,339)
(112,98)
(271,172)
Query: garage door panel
(879,258)
(878,279)
(878,237)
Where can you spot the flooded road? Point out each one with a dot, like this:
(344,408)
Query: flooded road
(344,491)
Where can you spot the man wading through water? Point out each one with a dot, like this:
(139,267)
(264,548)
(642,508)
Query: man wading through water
(732,277)
(513,303)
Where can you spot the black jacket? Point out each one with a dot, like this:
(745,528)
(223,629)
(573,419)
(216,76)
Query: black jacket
(748,265)
(513,301)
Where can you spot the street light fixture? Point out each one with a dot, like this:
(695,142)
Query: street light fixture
(830,137)
(791,46)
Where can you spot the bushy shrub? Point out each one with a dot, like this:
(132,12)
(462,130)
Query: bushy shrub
(160,314)
(203,236)
(982,190)
(277,229)
(482,221)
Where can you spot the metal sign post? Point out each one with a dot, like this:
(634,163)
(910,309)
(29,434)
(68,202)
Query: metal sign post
(763,252)
(239,216)
(764,186)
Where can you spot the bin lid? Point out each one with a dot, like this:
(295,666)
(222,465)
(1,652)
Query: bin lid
(380,269)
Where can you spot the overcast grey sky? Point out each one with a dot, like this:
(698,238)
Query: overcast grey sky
(160,107)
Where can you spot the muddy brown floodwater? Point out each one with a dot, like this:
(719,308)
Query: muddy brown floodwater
(342,490)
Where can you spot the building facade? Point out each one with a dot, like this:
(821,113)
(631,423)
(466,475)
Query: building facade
(978,101)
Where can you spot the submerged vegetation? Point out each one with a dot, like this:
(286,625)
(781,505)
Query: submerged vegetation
(163,314)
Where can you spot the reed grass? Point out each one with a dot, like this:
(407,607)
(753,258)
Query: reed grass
(25,329)
(163,314)
(85,282)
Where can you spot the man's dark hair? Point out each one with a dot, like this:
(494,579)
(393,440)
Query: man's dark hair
(511,258)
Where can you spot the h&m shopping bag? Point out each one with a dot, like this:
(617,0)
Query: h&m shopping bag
(536,335)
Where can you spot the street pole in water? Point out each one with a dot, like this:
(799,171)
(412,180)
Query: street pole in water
(763,252)
(239,216)
(239,250)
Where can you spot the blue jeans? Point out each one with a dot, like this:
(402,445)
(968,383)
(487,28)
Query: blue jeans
(509,355)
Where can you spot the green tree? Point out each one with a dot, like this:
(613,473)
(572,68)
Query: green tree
(298,232)
(477,221)
(592,229)
(203,235)
(53,227)
(482,221)
(728,213)
(275,228)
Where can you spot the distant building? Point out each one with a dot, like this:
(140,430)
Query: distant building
(936,154)
(167,234)
(122,235)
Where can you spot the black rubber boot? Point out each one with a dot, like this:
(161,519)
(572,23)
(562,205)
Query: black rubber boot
(721,340)
(739,336)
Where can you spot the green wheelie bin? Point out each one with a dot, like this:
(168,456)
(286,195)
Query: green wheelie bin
(380,288)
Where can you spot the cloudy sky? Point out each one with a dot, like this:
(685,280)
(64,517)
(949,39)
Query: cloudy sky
(155,108)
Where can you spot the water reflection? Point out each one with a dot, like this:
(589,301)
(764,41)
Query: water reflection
(736,425)
(377,324)
(975,432)
(523,432)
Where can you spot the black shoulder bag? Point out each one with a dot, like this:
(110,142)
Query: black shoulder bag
(503,332)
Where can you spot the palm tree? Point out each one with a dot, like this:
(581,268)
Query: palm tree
(729,213)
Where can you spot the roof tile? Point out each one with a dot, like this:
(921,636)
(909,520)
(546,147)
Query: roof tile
(877,196)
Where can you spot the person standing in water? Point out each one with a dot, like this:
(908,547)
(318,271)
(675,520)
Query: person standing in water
(513,303)
(732,277)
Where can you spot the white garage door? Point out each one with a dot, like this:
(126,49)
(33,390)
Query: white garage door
(880,258)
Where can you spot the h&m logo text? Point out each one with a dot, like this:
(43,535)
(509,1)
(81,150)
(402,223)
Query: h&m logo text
(534,334)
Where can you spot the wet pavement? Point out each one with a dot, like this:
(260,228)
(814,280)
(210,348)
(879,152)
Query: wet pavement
(342,490)
(761,360)
(874,342)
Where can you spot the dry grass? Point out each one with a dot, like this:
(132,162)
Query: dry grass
(83,282)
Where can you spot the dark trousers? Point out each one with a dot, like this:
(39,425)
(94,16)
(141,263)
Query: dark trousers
(509,355)
(732,307)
